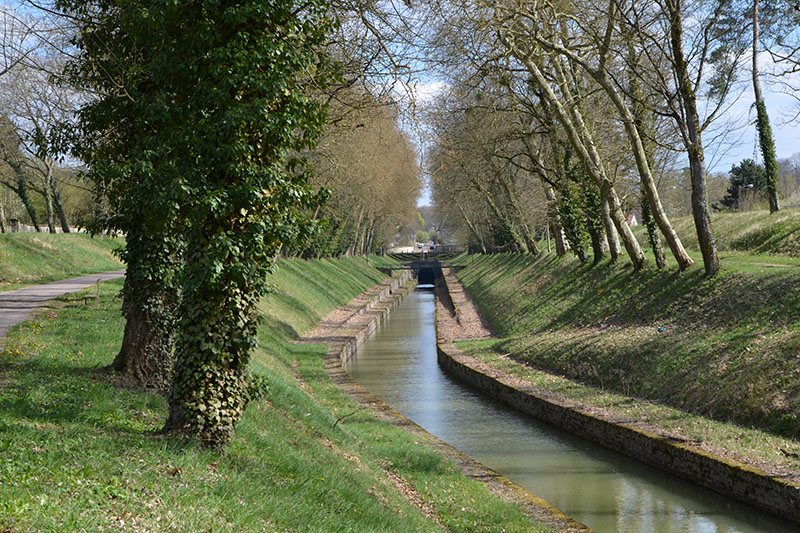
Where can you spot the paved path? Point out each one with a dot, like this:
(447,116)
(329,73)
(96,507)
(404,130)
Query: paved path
(16,306)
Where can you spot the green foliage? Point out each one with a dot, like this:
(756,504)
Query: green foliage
(208,100)
(767,143)
(746,175)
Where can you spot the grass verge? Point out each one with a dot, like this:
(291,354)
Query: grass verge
(29,258)
(724,348)
(82,454)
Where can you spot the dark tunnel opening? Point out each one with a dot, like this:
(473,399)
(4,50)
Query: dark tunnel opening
(426,276)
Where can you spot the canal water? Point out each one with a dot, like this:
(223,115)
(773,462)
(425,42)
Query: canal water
(607,491)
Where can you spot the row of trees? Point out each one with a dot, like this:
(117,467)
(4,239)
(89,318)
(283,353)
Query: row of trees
(369,166)
(588,103)
(44,190)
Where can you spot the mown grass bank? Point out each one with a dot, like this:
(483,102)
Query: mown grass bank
(715,360)
(81,454)
(28,258)
(755,232)
(726,347)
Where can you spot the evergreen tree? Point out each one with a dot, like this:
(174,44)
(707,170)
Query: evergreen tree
(746,175)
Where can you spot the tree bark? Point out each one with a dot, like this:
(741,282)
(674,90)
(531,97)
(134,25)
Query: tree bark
(652,233)
(149,302)
(62,218)
(555,219)
(612,237)
(694,144)
(22,192)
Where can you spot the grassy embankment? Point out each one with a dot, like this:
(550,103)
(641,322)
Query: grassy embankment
(724,348)
(28,258)
(80,454)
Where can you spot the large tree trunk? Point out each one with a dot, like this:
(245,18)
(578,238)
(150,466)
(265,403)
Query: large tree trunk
(765,139)
(612,236)
(22,192)
(48,202)
(572,218)
(145,358)
(149,302)
(694,144)
(62,218)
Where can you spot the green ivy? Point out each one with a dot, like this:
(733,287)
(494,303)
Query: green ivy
(767,143)
(200,105)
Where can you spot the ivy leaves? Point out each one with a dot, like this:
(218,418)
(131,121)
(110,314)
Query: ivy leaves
(201,103)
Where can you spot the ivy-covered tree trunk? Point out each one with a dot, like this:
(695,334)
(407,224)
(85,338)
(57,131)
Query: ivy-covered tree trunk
(652,233)
(150,299)
(218,325)
(571,214)
(594,219)
(556,228)
(765,139)
(242,109)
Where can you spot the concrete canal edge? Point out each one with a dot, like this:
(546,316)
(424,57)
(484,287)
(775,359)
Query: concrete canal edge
(731,478)
(350,334)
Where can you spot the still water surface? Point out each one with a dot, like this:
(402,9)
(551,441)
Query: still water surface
(608,492)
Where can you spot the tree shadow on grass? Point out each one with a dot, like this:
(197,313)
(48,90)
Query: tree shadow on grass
(49,393)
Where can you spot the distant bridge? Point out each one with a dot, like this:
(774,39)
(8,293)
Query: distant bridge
(426,272)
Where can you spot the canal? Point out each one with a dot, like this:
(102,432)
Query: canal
(607,491)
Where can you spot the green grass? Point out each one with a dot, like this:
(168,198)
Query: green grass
(724,347)
(755,232)
(28,258)
(80,453)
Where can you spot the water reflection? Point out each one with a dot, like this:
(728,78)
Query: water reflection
(606,491)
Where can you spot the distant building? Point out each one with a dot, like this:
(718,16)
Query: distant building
(634,217)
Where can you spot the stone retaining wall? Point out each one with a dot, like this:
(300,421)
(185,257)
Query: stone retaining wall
(730,478)
(345,342)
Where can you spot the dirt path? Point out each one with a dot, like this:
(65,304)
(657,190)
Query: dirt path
(16,306)
(458,316)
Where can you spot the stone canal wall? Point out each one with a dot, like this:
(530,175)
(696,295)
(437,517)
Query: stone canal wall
(345,329)
(728,477)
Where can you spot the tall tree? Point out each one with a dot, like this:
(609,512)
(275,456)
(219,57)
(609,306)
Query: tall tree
(210,101)
(765,140)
